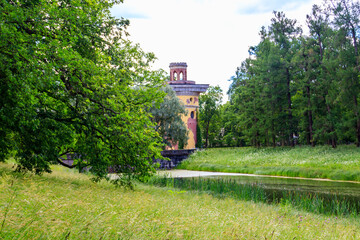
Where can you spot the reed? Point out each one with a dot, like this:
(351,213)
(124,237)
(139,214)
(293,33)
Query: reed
(320,203)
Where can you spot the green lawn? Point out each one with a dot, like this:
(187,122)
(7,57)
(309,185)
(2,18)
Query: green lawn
(342,163)
(66,205)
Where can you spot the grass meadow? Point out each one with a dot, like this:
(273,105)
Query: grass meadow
(342,163)
(67,205)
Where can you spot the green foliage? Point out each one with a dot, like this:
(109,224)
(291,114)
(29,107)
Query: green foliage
(296,88)
(209,109)
(71,83)
(167,117)
(232,129)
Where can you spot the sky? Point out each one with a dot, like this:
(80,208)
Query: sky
(211,36)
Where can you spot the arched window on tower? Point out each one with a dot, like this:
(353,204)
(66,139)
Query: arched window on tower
(175,76)
(181,76)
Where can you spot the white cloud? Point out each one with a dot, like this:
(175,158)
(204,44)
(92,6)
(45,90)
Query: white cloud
(212,36)
(261,6)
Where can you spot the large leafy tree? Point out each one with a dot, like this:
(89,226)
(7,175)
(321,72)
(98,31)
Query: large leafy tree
(209,106)
(319,62)
(283,32)
(167,117)
(247,102)
(69,84)
(262,89)
(232,130)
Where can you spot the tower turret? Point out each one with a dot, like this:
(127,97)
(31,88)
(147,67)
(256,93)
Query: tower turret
(188,92)
(178,73)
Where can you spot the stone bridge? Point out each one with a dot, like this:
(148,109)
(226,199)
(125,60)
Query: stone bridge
(175,156)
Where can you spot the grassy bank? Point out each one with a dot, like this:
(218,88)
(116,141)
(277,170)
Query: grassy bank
(66,205)
(342,163)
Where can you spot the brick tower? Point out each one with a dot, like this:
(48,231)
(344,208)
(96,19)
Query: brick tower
(188,92)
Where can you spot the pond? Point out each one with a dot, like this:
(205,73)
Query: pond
(276,182)
(321,196)
(299,185)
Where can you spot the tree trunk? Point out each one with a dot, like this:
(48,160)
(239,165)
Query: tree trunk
(207,134)
(320,46)
(267,142)
(309,115)
(332,130)
(308,141)
(290,116)
(273,134)
(357,122)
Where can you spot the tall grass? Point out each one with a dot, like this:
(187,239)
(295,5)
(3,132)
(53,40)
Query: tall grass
(320,203)
(66,205)
(342,163)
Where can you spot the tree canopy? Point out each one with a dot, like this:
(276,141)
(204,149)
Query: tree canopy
(168,120)
(209,104)
(69,83)
(297,88)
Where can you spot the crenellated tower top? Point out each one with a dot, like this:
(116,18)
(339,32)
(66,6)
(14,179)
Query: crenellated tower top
(178,73)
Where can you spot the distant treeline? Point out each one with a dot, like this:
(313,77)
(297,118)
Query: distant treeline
(296,88)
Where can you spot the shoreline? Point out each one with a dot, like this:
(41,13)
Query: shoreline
(180,173)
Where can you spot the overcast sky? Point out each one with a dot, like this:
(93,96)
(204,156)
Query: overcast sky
(211,36)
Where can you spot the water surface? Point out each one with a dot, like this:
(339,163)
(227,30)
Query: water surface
(346,188)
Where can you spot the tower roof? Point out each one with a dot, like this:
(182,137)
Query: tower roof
(178,73)
(180,84)
(178,64)
(189,89)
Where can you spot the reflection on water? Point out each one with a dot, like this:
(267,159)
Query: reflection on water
(318,196)
(298,185)
(326,197)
